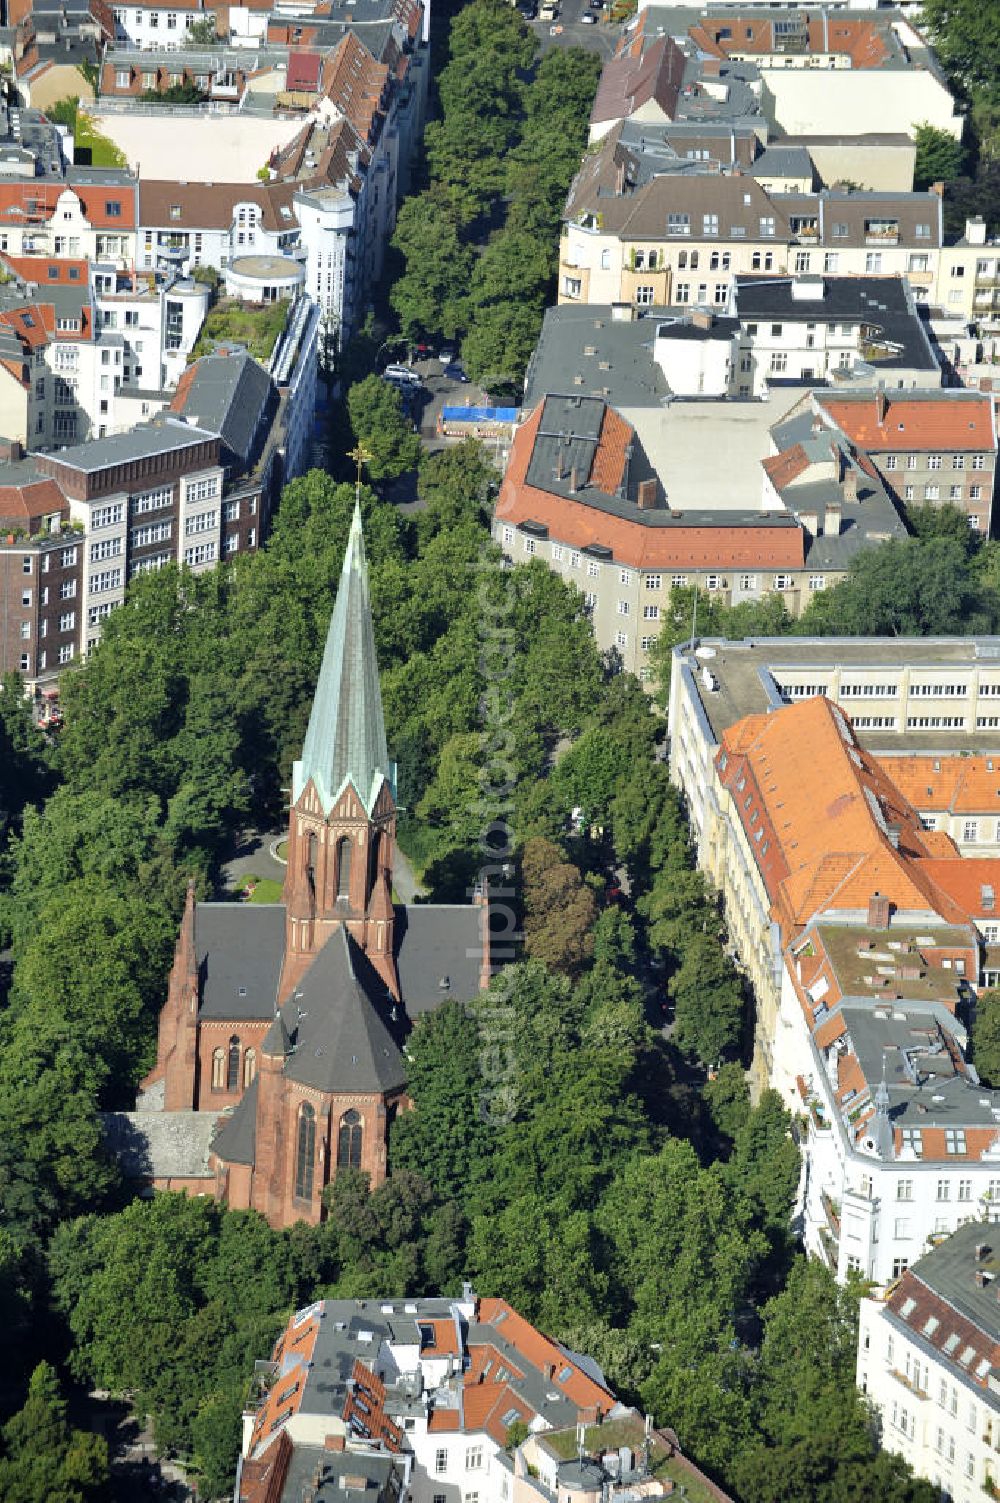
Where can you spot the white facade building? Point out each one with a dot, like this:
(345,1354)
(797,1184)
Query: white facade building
(928,1361)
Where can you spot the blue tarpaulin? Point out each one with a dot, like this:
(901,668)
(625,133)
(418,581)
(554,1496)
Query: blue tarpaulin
(479,414)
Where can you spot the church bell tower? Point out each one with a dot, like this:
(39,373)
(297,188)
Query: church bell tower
(342,820)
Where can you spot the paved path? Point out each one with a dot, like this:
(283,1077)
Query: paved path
(252,857)
(403,879)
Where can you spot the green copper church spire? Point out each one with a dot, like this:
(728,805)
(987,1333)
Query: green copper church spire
(345,741)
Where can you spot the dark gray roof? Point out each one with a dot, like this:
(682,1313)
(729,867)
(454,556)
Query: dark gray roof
(120,448)
(276,1040)
(949,1271)
(236,1139)
(326,1477)
(435,942)
(228,395)
(884,303)
(339,1040)
(240,948)
(587,351)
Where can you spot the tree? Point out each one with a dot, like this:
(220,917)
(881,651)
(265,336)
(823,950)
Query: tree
(985,1036)
(45,1461)
(203,32)
(379,425)
(708,1001)
(558,909)
(939,157)
(26,774)
(906,587)
(429,297)
(446,1136)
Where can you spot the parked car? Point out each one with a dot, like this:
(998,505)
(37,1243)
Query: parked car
(422,349)
(588,19)
(455,372)
(401,375)
(446,354)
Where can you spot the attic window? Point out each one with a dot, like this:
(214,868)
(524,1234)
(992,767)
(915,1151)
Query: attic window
(951,1343)
(175,211)
(908,1307)
(241,991)
(511,1416)
(967,1355)
(930,1325)
(983,1367)
(565,1375)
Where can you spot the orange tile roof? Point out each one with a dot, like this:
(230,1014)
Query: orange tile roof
(537,1349)
(962,785)
(830,807)
(782,469)
(633,542)
(293,1350)
(971,882)
(912,425)
(446,1343)
(442,1420)
(739,35)
(935,1146)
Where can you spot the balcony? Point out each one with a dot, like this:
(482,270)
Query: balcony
(832,1213)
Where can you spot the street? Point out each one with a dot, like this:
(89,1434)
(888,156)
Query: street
(569,31)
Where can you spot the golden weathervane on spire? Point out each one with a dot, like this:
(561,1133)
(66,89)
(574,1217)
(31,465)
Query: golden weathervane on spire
(361,456)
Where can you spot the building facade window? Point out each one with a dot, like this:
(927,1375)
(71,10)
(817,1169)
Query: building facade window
(305,1152)
(349,1141)
(218,1069)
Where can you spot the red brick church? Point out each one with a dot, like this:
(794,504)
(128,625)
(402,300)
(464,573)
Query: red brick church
(279,1054)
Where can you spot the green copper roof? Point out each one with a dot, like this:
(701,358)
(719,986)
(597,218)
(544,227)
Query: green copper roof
(345,741)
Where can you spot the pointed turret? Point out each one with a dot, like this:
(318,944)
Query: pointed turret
(345,742)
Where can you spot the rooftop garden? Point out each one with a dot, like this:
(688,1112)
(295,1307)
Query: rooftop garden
(256,326)
(90,147)
(627,1432)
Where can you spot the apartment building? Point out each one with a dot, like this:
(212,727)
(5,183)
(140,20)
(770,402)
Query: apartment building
(91,215)
(143,25)
(684,236)
(878,70)
(864,935)
(85,350)
(959,796)
(418,1397)
(928,1356)
(40,557)
(581,495)
(905,697)
(797,331)
(195,485)
(929,448)
(220,76)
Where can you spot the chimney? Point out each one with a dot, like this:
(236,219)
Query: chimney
(574,481)
(878,911)
(975,230)
(850,486)
(831,521)
(937,188)
(881,406)
(702,318)
(982,1251)
(333,1443)
(549,1372)
(646,497)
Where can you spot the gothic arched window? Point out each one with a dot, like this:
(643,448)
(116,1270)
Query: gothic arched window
(249,1066)
(349,1141)
(219,1070)
(343,867)
(305,1152)
(233,1082)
